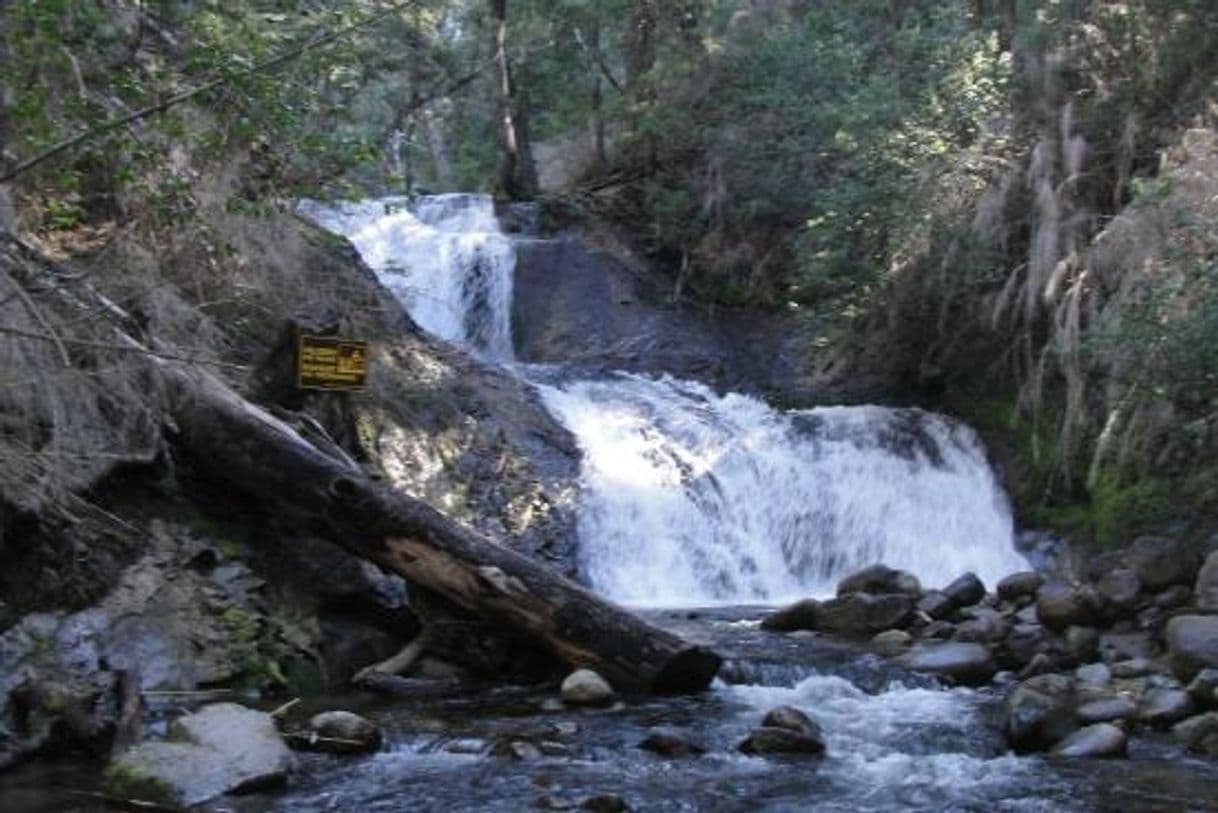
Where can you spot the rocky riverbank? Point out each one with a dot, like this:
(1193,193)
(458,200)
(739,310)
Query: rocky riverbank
(1129,646)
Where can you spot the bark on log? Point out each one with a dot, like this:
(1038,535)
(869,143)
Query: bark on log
(261,455)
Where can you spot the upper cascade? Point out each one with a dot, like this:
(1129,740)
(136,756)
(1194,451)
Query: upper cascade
(691,497)
(443,256)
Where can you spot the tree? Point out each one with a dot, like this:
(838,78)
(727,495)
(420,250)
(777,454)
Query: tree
(517,171)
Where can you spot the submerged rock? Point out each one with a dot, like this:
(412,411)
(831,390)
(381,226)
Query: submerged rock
(1099,740)
(219,749)
(967,663)
(583,687)
(342,732)
(669,743)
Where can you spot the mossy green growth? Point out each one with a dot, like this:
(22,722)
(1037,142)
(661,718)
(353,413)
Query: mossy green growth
(126,780)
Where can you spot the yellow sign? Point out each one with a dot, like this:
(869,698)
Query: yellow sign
(331,363)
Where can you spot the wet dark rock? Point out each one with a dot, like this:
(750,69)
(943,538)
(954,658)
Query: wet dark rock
(1083,643)
(1175,596)
(1206,588)
(1133,668)
(1198,734)
(1163,707)
(219,749)
(1120,591)
(1019,585)
(967,663)
(583,687)
(982,625)
(965,591)
(937,630)
(798,616)
(792,719)
(1040,713)
(1192,643)
(936,604)
(892,642)
(863,614)
(1060,606)
(519,750)
(1123,646)
(773,740)
(1022,644)
(1106,710)
(1161,562)
(879,579)
(605,803)
(342,732)
(1040,664)
(1204,688)
(1099,740)
(670,743)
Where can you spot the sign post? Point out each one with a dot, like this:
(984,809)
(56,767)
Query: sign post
(331,363)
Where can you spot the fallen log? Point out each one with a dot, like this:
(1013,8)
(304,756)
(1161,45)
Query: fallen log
(263,456)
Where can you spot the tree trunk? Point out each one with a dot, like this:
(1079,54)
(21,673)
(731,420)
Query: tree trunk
(517,173)
(8,214)
(263,456)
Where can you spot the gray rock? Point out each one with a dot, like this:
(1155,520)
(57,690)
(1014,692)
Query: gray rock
(1119,590)
(583,687)
(669,743)
(1198,734)
(1192,643)
(1124,646)
(1083,643)
(936,604)
(965,591)
(1163,707)
(1023,643)
(1203,688)
(1106,710)
(982,625)
(1093,674)
(892,642)
(879,579)
(1018,585)
(798,616)
(1206,588)
(864,614)
(967,663)
(1133,668)
(219,749)
(1059,607)
(1040,713)
(1161,562)
(792,719)
(519,750)
(773,740)
(937,630)
(1175,596)
(1099,740)
(342,732)
(1040,664)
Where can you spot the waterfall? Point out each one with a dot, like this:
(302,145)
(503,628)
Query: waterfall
(691,497)
(443,256)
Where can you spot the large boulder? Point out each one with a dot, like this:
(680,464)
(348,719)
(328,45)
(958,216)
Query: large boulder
(1206,588)
(1192,644)
(1119,591)
(798,616)
(967,663)
(965,591)
(1061,606)
(1099,740)
(1161,562)
(221,748)
(879,579)
(1040,713)
(1019,585)
(863,614)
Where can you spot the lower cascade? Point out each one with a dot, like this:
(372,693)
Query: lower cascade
(691,497)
